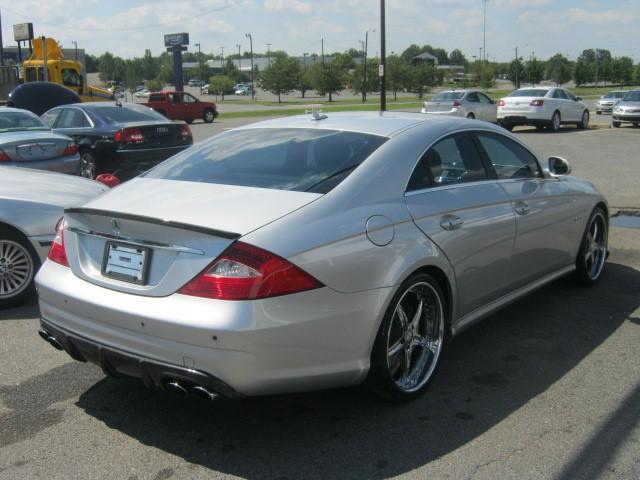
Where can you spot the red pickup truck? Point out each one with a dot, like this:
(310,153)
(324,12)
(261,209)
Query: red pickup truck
(182,106)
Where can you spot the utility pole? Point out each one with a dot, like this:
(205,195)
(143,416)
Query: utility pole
(248,35)
(517,73)
(484,28)
(366,41)
(75,44)
(239,58)
(381,72)
(199,59)
(596,52)
(1,45)
(304,60)
(322,48)
(268,53)
(222,59)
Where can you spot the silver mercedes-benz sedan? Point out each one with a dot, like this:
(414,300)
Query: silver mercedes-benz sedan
(31,203)
(26,141)
(462,103)
(314,251)
(627,110)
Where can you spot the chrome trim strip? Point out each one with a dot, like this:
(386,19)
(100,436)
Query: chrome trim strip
(136,242)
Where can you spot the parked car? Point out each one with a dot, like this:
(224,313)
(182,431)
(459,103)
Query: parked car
(120,138)
(144,93)
(26,141)
(628,110)
(182,106)
(462,103)
(542,107)
(244,90)
(194,82)
(313,252)
(609,100)
(31,202)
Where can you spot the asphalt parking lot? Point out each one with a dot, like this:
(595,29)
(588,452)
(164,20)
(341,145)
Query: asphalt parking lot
(547,388)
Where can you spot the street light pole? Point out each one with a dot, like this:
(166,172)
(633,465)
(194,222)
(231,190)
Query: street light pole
(199,60)
(75,44)
(268,53)
(381,71)
(222,59)
(248,35)
(484,29)
(239,58)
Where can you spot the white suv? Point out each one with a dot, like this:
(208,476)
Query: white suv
(542,107)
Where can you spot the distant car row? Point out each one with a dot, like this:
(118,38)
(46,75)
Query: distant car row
(542,107)
(238,89)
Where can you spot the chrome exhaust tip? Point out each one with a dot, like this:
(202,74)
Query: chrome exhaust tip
(175,388)
(55,343)
(44,335)
(203,393)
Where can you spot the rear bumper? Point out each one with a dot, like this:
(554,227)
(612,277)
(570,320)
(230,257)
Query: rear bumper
(68,165)
(310,340)
(517,119)
(626,117)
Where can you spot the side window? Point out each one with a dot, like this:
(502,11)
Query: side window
(569,95)
(452,160)
(472,97)
(189,99)
(559,94)
(72,118)
(71,78)
(50,117)
(509,159)
(484,99)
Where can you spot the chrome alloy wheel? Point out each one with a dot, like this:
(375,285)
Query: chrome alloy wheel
(596,246)
(16,269)
(415,337)
(87,165)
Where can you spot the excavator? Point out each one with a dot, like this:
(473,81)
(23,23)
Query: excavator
(59,70)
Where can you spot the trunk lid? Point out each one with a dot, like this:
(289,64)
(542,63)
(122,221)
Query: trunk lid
(34,146)
(177,228)
(158,134)
(430,106)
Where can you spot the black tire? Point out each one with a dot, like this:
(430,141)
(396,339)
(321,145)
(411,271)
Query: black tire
(471,116)
(18,266)
(615,124)
(540,128)
(418,310)
(189,120)
(208,116)
(88,167)
(584,122)
(598,112)
(554,124)
(592,255)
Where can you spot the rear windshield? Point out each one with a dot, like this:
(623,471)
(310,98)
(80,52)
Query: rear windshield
(302,160)
(530,92)
(447,96)
(615,95)
(18,121)
(633,96)
(126,113)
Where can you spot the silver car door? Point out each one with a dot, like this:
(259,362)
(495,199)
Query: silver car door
(489,108)
(544,208)
(469,216)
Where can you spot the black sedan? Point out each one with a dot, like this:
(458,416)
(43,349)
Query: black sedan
(120,138)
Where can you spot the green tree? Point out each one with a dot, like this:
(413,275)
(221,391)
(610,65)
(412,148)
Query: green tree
(398,74)
(422,77)
(516,72)
(305,81)
(559,69)
(281,76)
(106,66)
(328,79)
(150,65)
(91,64)
(487,76)
(622,70)
(372,80)
(534,71)
(220,84)
(583,73)
(456,57)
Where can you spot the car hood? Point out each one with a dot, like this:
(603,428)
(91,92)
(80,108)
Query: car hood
(47,187)
(228,208)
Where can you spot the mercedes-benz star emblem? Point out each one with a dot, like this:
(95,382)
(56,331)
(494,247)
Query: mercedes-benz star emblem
(115,226)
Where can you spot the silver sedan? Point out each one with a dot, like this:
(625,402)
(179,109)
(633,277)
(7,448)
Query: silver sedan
(26,141)
(627,110)
(462,103)
(315,251)
(31,203)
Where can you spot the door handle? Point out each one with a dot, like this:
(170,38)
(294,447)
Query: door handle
(522,208)
(451,222)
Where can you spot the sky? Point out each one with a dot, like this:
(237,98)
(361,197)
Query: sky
(538,27)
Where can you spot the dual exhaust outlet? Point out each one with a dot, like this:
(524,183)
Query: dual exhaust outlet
(53,341)
(182,390)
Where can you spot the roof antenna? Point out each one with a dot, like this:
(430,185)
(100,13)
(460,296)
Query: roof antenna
(316,114)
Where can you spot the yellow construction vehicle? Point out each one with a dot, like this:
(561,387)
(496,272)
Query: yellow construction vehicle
(61,71)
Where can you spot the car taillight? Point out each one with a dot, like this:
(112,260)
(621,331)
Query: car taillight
(536,103)
(4,157)
(456,103)
(129,135)
(56,252)
(71,149)
(245,272)
(501,103)
(185,132)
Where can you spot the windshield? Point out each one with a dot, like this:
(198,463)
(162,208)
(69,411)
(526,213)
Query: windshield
(19,121)
(127,113)
(302,160)
(530,92)
(615,95)
(447,96)
(633,96)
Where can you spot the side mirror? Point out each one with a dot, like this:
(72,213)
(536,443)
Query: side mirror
(559,166)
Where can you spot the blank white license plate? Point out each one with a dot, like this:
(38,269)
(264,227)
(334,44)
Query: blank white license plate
(128,263)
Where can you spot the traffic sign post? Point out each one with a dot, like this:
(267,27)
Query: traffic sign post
(176,43)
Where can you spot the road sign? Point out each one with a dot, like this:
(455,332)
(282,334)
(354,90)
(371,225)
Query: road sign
(176,39)
(22,31)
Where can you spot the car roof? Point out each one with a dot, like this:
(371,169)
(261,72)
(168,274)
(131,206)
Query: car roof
(385,124)
(536,88)
(12,109)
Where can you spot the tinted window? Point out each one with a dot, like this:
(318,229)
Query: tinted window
(286,159)
(633,96)
(484,99)
(509,159)
(157,97)
(559,94)
(451,160)
(127,113)
(188,98)
(529,92)
(569,95)
(50,117)
(71,78)
(447,96)
(472,97)
(17,121)
(72,118)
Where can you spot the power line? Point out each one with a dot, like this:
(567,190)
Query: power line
(127,29)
